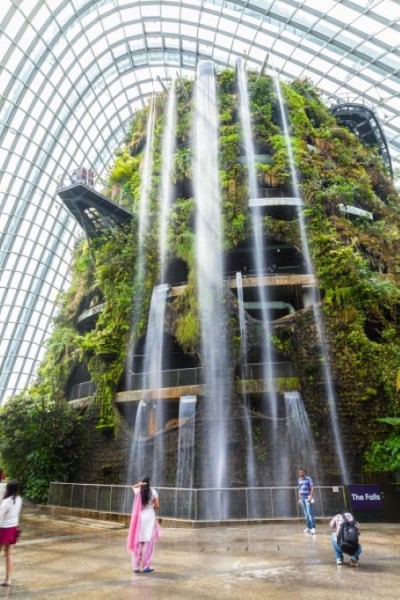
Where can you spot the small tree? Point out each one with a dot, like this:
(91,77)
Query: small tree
(385,456)
(40,442)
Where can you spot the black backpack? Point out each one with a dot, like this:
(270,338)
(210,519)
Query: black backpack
(348,536)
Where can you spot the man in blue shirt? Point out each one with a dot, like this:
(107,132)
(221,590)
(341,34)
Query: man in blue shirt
(306,499)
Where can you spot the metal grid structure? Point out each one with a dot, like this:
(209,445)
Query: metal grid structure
(72,74)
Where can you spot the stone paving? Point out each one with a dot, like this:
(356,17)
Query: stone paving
(71,558)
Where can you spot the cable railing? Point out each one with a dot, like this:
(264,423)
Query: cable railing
(169,378)
(82,390)
(243,504)
(183,377)
(258,370)
(83,175)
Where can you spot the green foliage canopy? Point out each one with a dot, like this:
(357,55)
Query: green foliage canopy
(40,441)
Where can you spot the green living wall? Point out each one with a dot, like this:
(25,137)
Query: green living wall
(357,261)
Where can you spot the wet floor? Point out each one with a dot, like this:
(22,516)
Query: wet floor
(71,558)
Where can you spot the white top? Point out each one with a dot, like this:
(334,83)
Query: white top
(9,511)
(147,518)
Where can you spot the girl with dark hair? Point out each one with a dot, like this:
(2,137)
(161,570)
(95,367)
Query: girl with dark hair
(144,530)
(10,509)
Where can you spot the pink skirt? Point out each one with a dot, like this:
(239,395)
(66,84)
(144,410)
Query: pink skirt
(8,535)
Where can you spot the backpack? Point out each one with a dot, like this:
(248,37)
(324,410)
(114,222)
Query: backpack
(348,536)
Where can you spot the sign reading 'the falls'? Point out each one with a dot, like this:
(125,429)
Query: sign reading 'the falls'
(366,497)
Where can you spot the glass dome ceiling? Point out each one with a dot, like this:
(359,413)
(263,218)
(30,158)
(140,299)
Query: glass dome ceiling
(72,74)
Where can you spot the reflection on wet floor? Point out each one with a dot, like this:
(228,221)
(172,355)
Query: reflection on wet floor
(71,558)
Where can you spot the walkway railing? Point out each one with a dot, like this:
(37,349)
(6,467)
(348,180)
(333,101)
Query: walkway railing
(170,378)
(193,504)
(79,175)
(257,370)
(82,390)
(183,377)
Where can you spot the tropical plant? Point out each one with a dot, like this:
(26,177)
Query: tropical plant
(40,441)
(385,455)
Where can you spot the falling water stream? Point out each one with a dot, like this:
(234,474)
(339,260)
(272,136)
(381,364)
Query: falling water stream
(151,409)
(150,414)
(136,467)
(250,458)
(327,375)
(140,430)
(214,410)
(258,252)
(187,412)
(146,185)
(300,435)
(214,342)
(166,191)
(153,376)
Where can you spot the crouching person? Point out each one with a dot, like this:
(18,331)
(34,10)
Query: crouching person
(345,539)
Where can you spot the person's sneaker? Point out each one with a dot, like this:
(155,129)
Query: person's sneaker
(313,530)
(307,530)
(339,562)
(354,562)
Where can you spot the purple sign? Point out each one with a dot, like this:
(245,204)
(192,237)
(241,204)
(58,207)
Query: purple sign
(366,496)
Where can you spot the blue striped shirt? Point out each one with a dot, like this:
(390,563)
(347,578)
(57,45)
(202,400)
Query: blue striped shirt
(305,485)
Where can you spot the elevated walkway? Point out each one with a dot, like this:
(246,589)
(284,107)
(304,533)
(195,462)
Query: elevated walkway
(95,213)
(253,280)
(187,382)
(278,207)
(354,211)
(87,319)
(362,120)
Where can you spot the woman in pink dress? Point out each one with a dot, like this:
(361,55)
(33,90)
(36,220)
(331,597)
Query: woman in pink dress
(144,530)
(10,509)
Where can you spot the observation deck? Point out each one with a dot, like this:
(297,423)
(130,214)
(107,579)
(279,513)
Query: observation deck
(87,319)
(181,382)
(95,213)
(274,204)
(361,119)
(354,211)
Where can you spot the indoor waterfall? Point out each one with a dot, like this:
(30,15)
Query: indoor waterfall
(269,376)
(143,214)
(207,423)
(146,179)
(315,301)
(214,342)
(300,435)
(186,451)
(152,406)
(166,190)
(250,459)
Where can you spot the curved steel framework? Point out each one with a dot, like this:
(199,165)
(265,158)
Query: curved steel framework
(363,122)
(72,73)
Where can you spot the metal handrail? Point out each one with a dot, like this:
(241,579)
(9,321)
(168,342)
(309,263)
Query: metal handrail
(82,390)
(184,377)
(168,377)
(82,174)
(192,503)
